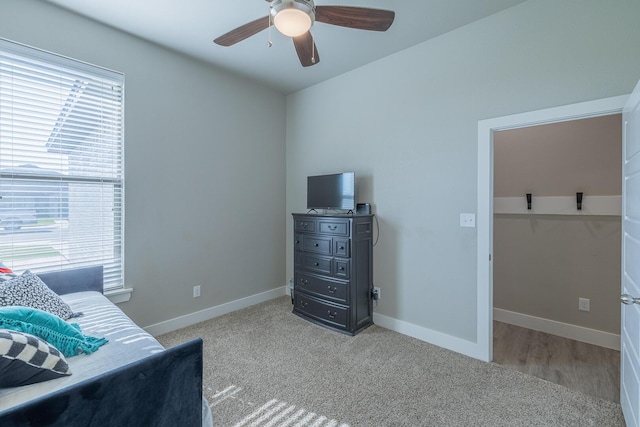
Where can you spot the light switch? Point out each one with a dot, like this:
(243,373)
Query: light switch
(467,220)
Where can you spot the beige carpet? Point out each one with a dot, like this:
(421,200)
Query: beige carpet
(264,366)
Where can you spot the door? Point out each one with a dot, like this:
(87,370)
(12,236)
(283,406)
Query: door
(630,318)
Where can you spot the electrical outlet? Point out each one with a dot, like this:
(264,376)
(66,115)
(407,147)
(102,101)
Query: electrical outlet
(467,220)
(376,294)
(196,291)
(584,304)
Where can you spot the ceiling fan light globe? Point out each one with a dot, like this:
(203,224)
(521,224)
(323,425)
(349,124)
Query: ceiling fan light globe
(292,22)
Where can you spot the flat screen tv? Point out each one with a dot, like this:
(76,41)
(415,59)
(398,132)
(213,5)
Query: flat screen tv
(336,191)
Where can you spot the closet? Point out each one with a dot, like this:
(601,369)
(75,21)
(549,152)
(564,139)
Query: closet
(557,246)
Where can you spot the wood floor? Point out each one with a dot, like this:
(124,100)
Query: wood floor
(576,365)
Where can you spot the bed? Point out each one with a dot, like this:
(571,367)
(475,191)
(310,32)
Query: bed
(130,381)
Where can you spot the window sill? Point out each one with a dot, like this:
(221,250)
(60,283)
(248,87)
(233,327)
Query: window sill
(118,296)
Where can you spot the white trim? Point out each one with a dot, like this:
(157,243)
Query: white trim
(566,330)
(209,313)
(486,128)
(118,296)
(559,205)
(468,348)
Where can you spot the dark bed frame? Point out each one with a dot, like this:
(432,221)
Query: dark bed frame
(164,389)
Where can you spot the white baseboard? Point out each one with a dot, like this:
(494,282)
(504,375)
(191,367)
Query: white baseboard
(209,313)
(566,330)
(468,348)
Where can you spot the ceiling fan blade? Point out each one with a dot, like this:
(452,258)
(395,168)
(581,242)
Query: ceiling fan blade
(243,32)
(306,48)
(360,18)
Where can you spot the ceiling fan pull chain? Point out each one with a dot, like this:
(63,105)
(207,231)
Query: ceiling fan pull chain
(270,43)
(313,49)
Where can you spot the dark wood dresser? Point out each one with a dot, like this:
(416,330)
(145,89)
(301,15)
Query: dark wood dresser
(333,278)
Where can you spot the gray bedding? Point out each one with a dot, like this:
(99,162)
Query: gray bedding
(131,380)
(127,343)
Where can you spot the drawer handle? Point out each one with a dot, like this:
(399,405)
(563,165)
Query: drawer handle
(297,242)
(316,245)
(303,281)
(332,315)
(316,264)
(304,304)
(332,290)
(341,268)
(332,227)
(303,224)
(341,247)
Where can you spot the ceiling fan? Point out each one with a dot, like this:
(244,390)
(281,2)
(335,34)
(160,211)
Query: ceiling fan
(294,18)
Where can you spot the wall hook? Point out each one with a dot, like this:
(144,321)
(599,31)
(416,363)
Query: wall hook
(579,200)
(529,201)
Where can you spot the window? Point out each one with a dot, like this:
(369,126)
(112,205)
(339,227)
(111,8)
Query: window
(61,163)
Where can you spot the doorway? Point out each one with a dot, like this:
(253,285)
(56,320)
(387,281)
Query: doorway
(552,255)
(486,129)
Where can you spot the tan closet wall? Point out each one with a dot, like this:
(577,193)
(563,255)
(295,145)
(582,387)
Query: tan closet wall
(544,263)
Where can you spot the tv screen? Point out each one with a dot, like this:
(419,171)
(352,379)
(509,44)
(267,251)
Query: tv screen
(335,191)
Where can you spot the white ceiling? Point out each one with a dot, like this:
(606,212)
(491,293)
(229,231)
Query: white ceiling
(189,26)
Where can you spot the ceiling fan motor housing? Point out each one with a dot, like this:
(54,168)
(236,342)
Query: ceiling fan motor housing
(294,6)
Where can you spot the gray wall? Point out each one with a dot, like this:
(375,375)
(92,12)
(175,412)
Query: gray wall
(560,159)
(204,166)
(408,126)
(543,263)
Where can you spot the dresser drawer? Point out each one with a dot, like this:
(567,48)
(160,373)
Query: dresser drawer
(305,225)
(341,269)
(323,311)
(341,247)
(316,263)
(335,227)
(320,245)
(323,288)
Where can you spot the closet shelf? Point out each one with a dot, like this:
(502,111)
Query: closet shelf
(559,205)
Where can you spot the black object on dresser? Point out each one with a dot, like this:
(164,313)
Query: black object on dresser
(333,278)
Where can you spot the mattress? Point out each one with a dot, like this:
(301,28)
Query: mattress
(101,318)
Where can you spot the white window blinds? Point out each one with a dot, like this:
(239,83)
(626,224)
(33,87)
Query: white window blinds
(61,163)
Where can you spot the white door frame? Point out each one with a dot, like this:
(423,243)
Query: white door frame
(486,128)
